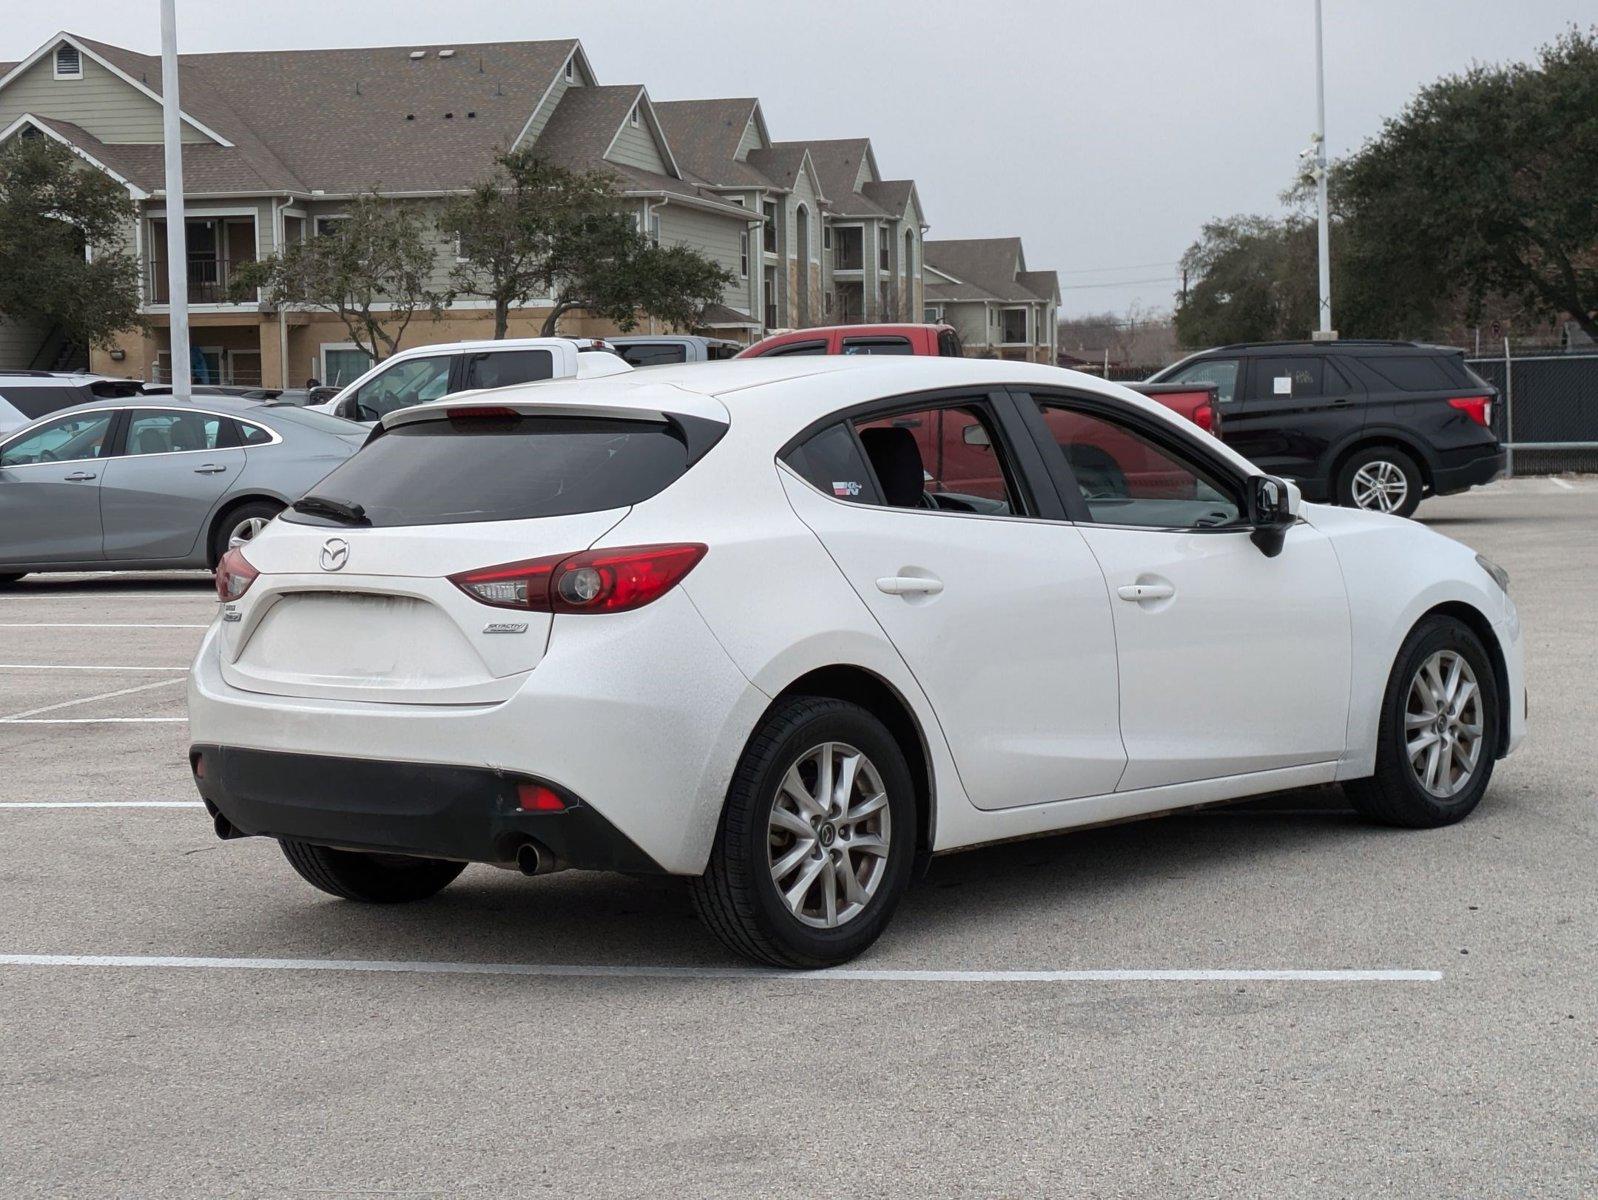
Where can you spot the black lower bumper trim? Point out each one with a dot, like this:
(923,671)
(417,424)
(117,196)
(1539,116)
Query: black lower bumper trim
(1469,474)
(436,811)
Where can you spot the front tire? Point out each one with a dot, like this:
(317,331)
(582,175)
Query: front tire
(1380,479)
(371,878)
(817,838)
(1439,731)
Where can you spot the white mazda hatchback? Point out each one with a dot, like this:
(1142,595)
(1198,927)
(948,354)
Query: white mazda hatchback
(788,627)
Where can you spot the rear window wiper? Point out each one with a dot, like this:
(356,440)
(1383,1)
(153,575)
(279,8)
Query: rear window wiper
(347,511)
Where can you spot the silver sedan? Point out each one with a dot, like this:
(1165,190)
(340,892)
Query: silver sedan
(146,484)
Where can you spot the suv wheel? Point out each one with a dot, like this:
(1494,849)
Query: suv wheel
(1380,480)
(816,840)
(1439,731)
(374,878)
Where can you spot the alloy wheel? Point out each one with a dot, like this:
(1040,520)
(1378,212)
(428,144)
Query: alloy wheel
(1443,724)
(1380,486)
(246,530)
(828,835)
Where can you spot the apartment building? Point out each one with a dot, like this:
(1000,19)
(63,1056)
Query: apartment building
(982,287)
(277,144)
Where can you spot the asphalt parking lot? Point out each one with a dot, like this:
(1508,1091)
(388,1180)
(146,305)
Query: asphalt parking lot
(1467,1066)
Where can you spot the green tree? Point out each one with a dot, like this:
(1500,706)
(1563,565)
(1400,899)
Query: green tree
(52,208)
(1251,279)
(534,229)
(1484,188)
(372,268)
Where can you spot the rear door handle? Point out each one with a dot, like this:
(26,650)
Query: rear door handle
(209,469)
(1146,591)
(909,585)
(79,476)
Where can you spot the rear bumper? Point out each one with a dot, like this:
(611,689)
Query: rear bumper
(1456,476)
(436,811)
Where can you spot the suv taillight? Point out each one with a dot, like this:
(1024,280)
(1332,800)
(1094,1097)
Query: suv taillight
(234,574)
(594,581)
(1477,408)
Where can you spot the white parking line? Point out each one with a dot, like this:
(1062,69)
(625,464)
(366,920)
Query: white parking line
(831,975)
(91,720)
(90,625)
(1560,483)
(101,804)
(77,667)
(143,687)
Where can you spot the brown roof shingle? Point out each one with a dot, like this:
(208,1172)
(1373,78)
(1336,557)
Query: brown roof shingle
(993,267)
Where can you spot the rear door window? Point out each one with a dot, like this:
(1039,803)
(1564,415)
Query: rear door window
(798,348)
(833,462)
(948,458)
(164,431)
(877,345)
(502,368)
(1222,372)
(1300,378)
(505,468)
(654,355)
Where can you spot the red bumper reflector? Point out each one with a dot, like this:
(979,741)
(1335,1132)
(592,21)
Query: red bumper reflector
(535,797)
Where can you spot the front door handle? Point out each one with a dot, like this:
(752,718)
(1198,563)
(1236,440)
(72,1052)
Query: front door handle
(909,585)
(1146,591)
(79,476)
(209,469)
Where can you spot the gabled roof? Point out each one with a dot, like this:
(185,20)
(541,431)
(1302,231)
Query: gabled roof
(986,269)
(839,163)
(705,134)
(124,168)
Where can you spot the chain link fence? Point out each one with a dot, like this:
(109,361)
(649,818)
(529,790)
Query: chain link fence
(1547,410)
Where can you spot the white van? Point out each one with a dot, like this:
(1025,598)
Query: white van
(429,373)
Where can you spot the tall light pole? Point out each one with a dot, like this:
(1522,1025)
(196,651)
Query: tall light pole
(1325,332)
(177,248)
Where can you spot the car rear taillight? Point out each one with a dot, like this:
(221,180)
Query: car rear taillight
(1477,408)
(234,574)
(595,581)
(1204,418)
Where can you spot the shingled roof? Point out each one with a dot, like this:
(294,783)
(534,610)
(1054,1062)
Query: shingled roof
(985,269)
(705,134)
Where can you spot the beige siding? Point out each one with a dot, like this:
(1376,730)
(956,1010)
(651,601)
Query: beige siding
(712,235)
(101,103)
(19,342)
(751,140)
(635,147)
(546,110)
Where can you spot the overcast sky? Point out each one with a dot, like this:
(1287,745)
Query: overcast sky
(1104,132)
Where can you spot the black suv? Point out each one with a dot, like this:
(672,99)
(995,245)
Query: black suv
(1375,425)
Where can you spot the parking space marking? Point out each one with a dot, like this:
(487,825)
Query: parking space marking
(91,720)
(78,667)
(830,975)
(101,804)
(90,625)
(1560,483)
(143,687)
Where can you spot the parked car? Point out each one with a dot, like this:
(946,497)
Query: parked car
(1369,424)
(722,621)
(144,483)
(655,351)
(28,395)
(428,373)
(934,340)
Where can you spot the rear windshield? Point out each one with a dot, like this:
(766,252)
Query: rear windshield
(34,402)
(445,472)
(653,354)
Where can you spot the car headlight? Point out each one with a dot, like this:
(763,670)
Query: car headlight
(1500,576)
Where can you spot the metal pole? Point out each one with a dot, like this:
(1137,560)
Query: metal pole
(177,249)
(1325,242)
(1509,414)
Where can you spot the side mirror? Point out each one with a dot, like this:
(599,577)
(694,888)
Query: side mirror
(1273,506)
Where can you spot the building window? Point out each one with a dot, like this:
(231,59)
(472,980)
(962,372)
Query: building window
(882,250)
(743,255)
(826,301)
(769,208)
(68,62)
(571,69)
(826,237)
(633,116)
(932,316)
(654,228)
(328,225)
(1015,326)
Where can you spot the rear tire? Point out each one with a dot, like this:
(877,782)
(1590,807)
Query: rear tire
(244,522)
(371,878)
(1380,479)
(1398,793)
(857,866)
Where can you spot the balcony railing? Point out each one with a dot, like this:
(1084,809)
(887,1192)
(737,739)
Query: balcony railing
(209,278)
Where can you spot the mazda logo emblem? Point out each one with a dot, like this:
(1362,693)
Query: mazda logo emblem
(335,553)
